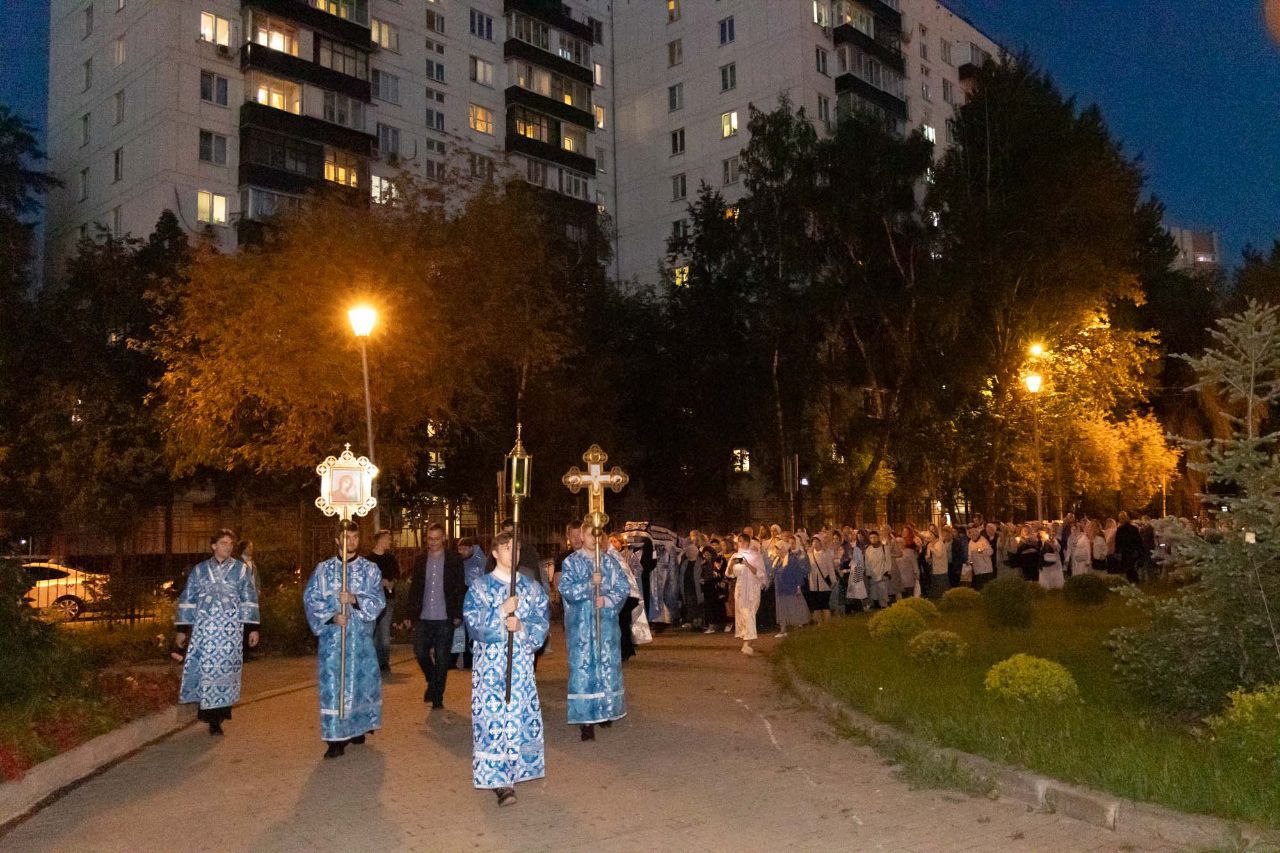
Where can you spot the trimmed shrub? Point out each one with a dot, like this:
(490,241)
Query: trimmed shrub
(923,606)
(936,646)
(960,598)
(1086,589)
(1007,602)
(1031,680)
(1250,725)
(34,657)
(1113,581)
(897,624)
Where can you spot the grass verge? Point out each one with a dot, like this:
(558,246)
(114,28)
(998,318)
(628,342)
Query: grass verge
(1110,741)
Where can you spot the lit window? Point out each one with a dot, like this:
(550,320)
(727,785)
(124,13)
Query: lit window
(280,95)
(741,460)
(341,168)
(821,14)
(480,118)
(599,74)
(673,11)
(731,213)
(382,190)
(599,117)
(215,28)
(729,124)
(680,276)
(211,208)
(275,34)
(929,133)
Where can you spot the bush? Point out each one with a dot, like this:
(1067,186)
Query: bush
(1031,680)
(1113,581)
(936,646)
(897,624)
(960,598)
(284,627)
(34,658)
(923,606)
(1250,725)
(1007,602)
(1086,589)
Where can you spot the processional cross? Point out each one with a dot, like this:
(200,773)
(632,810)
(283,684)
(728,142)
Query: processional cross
(596,479)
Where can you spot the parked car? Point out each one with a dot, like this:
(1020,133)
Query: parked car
(63,592)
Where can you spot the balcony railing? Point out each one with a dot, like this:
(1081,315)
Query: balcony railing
(349,10)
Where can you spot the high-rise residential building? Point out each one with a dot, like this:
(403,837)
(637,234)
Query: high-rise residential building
(228,111)
(687,72)
(1198,250)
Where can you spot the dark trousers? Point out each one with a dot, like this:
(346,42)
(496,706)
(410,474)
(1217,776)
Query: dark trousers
(713,613)
(432,640)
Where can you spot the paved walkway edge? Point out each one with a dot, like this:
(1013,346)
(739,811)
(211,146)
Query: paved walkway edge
(1050,795)
(50,779)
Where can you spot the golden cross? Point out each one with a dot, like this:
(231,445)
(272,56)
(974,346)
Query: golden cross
(595,479)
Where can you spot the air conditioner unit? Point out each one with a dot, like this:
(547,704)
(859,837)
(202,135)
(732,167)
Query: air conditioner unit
(223,50)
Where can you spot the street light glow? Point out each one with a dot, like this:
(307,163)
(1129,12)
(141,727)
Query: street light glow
(1036,350)
(362,319)
(1034,381)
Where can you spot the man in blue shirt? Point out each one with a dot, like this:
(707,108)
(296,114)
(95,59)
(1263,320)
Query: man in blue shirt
(434,608)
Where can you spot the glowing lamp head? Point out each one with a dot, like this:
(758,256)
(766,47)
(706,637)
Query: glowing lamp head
(362,320)
(1034,381)
(1036,350)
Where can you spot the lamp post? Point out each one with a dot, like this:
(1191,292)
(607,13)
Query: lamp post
(362,319)
(1034,382)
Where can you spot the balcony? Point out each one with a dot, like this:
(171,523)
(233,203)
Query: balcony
(353,31)
(888,52)
(545,151)
(891,104)
(276,63)
(253,114)
(551,12)
(972,58)
(550,106)
(514,47)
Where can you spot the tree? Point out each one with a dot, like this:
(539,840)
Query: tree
(1040,217)
(1257,278)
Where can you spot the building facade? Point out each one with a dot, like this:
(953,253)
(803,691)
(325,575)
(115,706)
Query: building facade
(1198,250)
(229,111)
(687,72)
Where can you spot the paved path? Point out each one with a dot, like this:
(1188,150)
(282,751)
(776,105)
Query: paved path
(711,757)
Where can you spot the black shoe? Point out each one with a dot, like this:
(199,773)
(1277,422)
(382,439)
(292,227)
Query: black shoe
(506,796)
(336,748)
(438,704)
(426,695)
(588,732)
(215,727)
(357,740)
(606,724)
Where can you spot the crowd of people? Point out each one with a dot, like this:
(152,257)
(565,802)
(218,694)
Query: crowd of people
(489,610)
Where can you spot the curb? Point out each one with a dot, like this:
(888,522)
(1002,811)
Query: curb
(1049,795)
(47,781)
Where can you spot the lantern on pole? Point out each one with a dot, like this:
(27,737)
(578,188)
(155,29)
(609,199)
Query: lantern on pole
(519,465)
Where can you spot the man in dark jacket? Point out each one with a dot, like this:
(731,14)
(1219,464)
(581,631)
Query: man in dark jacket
(433,606)
(1129,547)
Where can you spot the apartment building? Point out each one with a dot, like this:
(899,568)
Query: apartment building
(229,111)
(687,71)
(1199,250)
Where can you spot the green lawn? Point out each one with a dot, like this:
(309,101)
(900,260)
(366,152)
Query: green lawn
(1110,741)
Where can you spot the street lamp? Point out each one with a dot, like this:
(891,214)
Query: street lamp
(1036,350)
(1034,382)
(363,318)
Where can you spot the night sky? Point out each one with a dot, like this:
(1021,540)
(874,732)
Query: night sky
(1193,86)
